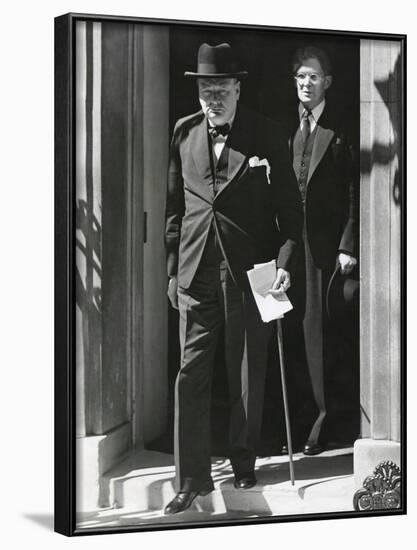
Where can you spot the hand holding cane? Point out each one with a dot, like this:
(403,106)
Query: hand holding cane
(281,284)
(273,305)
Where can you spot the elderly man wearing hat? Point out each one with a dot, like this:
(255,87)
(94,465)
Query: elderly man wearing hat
(232,202)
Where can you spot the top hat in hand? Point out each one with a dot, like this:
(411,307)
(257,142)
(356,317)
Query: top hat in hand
(342,299)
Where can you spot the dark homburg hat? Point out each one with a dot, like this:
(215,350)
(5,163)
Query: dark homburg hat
(342,300)
(216,61)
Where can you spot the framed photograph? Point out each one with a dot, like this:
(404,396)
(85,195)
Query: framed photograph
(230,274)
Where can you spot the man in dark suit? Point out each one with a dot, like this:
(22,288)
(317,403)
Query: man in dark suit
(229,181)
(328,182)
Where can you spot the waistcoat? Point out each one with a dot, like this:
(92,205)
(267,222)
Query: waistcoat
(212,255)
(302,158)
(219,168)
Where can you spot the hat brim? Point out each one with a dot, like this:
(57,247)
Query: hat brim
(240,74)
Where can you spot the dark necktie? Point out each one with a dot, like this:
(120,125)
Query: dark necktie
(305,124)
(216,131)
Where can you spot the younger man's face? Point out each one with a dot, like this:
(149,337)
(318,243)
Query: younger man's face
(312,88)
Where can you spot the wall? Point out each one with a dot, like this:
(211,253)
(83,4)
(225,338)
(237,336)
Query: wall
(381,200)
(121,159)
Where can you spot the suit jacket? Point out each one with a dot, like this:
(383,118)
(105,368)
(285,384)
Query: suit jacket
(244,212)
(331,208)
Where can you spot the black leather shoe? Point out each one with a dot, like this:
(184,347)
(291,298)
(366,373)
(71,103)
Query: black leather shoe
(245,482)
(183,500)
(311,449)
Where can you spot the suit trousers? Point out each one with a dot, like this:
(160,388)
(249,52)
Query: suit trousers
(308,342)
(211,307)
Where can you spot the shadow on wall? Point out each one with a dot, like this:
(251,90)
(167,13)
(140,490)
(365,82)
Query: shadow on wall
(382,153)
(88,295)
(88,299)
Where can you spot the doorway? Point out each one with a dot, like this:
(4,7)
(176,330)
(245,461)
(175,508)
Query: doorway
(269,90)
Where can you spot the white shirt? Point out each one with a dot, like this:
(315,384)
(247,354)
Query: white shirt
(218,145)
(315,114)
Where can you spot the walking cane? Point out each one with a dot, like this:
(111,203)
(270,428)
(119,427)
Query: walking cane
(285,399)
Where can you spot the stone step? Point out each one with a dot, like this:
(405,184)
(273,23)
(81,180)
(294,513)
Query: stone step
(138,489)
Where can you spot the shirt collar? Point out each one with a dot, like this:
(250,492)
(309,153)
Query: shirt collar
(316,112)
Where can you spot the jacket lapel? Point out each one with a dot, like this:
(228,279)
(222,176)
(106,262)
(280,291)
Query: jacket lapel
(236,159)
(237,144)
(201,157)
(321,142)
(201,152)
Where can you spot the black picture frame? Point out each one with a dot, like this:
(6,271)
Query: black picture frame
(65,269)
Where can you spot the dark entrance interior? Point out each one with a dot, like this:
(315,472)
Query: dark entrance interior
(269,89)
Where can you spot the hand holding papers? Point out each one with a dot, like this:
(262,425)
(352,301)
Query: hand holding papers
(261,279)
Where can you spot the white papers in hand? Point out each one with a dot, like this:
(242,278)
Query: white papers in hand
(261,279)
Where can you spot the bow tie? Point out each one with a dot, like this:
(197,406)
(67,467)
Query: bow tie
(216,131)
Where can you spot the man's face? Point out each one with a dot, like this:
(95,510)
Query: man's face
(311,83)
(218,98)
